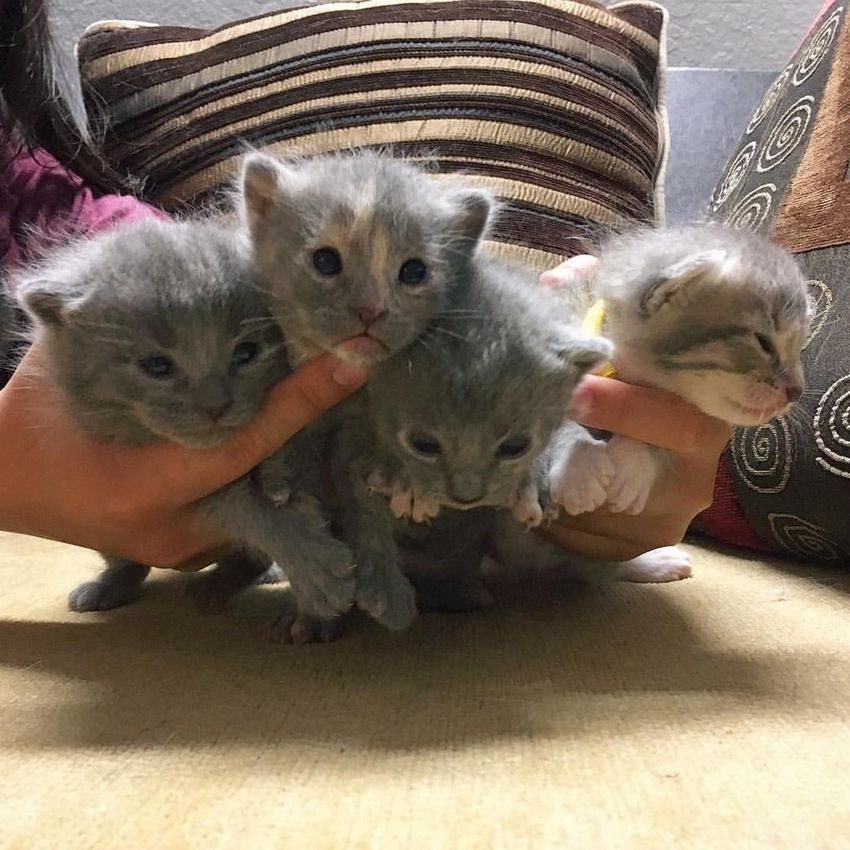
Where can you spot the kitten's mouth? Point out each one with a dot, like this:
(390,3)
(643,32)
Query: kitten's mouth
(360,348)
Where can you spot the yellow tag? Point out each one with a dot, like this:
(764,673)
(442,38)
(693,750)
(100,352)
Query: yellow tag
(592,324)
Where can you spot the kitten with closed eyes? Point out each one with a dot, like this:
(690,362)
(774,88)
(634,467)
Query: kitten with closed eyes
(717,316)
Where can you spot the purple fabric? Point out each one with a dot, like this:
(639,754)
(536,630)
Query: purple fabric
(36,191)
(38,195)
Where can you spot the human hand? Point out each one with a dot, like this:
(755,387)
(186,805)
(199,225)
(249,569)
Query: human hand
(138,502)
(685,486)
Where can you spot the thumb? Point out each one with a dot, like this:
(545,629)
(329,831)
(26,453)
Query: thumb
(293,403)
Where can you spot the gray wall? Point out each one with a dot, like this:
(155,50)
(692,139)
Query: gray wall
(722,33)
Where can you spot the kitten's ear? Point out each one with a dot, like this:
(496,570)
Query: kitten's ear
(471,213)
(582,353)
(677,281)
(265,183)
(45,302)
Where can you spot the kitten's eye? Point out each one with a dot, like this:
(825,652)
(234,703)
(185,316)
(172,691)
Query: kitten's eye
(327,261)
(244,353)
(766,344)
(513,447)
(425,445)
(412,272)
(157,366)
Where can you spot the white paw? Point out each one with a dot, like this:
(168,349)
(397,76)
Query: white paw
(525,506)
(635,471)
(413,504)
(424,507)
(579,480)
(279,495)
(660,565)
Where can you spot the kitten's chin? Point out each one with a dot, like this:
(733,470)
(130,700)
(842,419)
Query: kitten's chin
(744,416)
(360,350)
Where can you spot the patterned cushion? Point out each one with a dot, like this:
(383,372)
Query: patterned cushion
(789,177)
(557,105)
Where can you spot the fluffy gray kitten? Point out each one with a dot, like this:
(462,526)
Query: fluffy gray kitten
(460,419)
(156,331)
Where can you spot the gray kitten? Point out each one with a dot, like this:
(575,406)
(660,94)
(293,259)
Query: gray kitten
(459,419)
(156,331)
(716,316)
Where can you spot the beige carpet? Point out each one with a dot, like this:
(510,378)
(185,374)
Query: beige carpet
(712,714)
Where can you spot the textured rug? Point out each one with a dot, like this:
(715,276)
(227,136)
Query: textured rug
(706,714)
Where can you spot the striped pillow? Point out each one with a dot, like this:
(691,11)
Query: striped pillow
(556,105)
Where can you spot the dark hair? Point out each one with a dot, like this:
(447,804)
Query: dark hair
(37,96)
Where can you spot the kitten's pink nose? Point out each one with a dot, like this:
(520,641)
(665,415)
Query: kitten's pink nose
(793,392)
(212,396)
(216,411)
(369,313)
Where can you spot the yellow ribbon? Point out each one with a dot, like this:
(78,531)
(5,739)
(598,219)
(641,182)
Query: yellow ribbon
(594,319)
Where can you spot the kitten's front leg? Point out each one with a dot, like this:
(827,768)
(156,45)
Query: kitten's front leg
(525,504)
(320,568)
(407,501)
(120,583)
(381,588)
(581,471)
(636,469)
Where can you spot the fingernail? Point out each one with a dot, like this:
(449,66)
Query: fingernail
(581,403)
(349,374)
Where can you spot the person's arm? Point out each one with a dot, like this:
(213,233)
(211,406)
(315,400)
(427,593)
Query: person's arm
(694,441)
(138,502)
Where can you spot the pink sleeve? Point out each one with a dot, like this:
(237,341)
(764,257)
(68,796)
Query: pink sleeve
(37,192)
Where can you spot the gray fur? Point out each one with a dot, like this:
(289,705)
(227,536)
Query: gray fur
(494,366)
(187,291)
(377,213)
(686,307)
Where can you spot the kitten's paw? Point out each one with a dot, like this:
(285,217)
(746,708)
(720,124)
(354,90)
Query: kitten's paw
(273,575)
(295,629)
(660,565)
(525,506)
(385,594)
(412,503)
(635,471)
(580,480)
(452,597)
(324,587)
(279,495)
(101,596)
(425,508)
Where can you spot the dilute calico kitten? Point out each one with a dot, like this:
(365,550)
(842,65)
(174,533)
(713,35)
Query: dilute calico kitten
(716,316)
(459,419)
(357,251)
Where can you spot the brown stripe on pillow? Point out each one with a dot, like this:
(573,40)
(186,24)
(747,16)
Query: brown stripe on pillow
(295,110)
(555,104)
(559,81)
(435,135)
(583,20)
